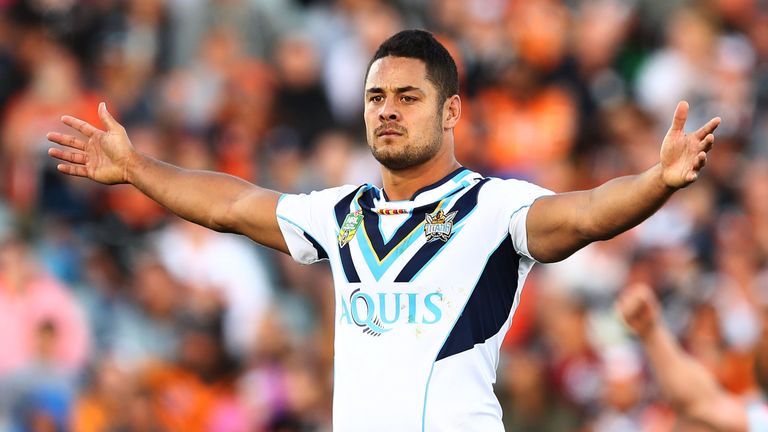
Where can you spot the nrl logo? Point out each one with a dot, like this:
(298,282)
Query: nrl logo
(349,227)
(438,226)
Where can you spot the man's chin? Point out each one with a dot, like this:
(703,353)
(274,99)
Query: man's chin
(402,156)
(394,161)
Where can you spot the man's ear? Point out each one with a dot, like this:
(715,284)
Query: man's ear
(451,112)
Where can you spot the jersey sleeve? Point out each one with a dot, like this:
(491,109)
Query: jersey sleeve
(307,222)
(519,195)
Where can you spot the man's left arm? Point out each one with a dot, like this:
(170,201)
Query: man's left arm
(559,225)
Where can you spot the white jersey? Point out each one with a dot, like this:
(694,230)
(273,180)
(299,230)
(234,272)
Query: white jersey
(425,292)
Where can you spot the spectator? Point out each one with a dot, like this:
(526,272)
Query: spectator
(29,298)
(196,392)
(221,271)
(527,123)
(690,388)
(298,67)
(40,392)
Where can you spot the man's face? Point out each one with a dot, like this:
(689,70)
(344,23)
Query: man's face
(403,121)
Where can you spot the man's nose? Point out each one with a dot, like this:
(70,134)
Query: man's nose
(389,111)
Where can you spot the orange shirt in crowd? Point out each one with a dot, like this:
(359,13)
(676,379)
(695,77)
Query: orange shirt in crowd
(182,401)
(523,134)
(90,415)
(134,208)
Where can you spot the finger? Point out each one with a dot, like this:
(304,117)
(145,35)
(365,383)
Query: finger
(81,126)
(636,302)
(707,143)
(109,121)
(638,287)
(627,307)
(628,302)
(73,170)
(701,160)
(641,293)
(681,114)
(708,128)
(68,156)
(66,140)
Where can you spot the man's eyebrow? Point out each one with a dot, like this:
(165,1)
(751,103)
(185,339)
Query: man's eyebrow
(407,89)
(397,90)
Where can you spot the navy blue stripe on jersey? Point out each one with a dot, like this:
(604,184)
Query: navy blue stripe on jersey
(342,209)
(348,265)
(438,183)
(434,185)
(321,253)
(464,206)
(489,305)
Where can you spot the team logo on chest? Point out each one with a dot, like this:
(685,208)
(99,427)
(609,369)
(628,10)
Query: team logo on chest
(438,226)
(349,227)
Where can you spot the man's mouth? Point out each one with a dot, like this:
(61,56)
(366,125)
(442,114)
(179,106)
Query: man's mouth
(389,131)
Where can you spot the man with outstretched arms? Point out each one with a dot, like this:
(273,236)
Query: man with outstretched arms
(683,381)
(428,269)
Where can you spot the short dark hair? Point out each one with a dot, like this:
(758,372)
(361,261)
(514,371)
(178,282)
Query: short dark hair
(422,45)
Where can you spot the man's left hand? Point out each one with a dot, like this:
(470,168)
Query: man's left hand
(684,155)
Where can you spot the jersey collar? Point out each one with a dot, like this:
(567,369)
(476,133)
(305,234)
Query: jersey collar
(454,181)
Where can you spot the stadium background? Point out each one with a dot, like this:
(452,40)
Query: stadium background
(115,316)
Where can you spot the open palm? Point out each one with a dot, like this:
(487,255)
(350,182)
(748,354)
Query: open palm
(684,155)
(103,157)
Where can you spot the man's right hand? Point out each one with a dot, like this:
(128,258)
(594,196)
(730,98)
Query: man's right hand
(215,200)
(104,156)
(639,309)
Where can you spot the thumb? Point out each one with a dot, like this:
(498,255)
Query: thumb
(681,114)
(106,118)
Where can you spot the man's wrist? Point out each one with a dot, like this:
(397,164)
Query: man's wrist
(133,163)
(658,172)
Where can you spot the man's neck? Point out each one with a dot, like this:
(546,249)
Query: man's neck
(401,185)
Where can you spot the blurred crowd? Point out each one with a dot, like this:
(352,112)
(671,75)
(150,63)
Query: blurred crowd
(116,316)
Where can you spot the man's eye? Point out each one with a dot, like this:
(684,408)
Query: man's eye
(408,99)
(377,98)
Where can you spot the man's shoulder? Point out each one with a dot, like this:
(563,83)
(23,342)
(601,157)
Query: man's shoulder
(514,192)
(330,195)
(512,183)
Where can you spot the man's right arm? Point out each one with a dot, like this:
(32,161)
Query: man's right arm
(683,381)
(214,200)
